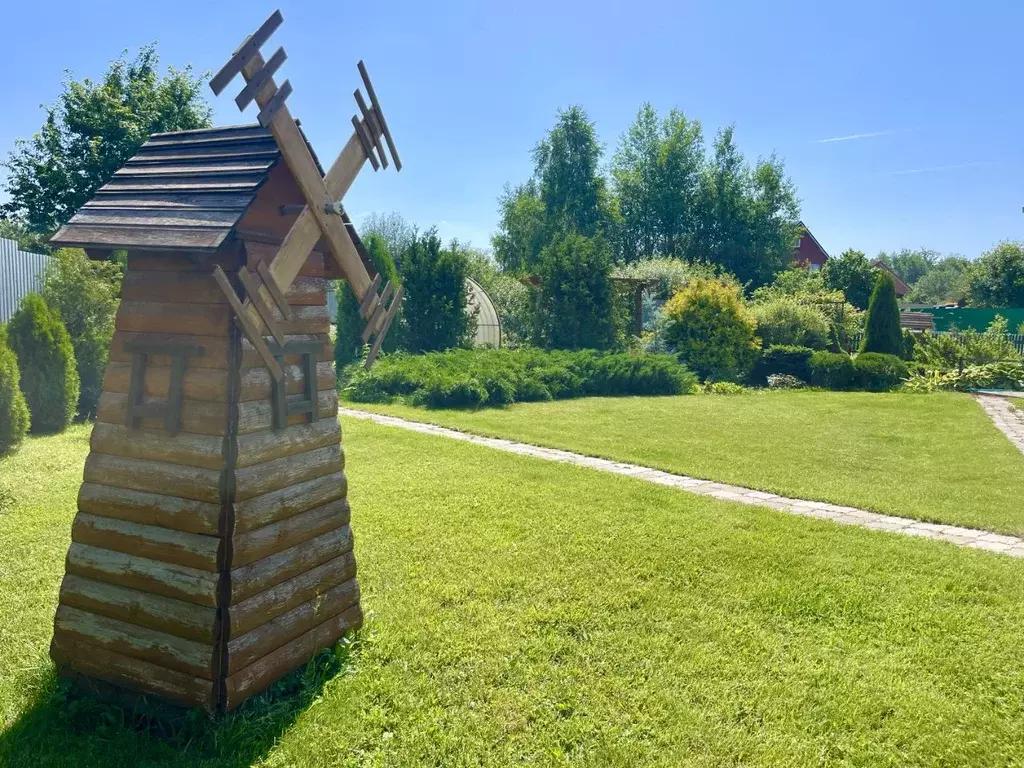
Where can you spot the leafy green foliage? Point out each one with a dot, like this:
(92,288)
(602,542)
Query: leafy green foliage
(785,320)
(656,174)
(576,303)
(724,388)
(348,343)
(832,370)
(996,279)
(512,299)
(882,325)
(85,293)
(392,228)
(14,414)
(943,351)
(877,372)
(944,283)
(784,360)
(910,265)
(852,274)
(471,378)
(711,329)
(92,130)
(1005,375)
(47,363)
(434,314)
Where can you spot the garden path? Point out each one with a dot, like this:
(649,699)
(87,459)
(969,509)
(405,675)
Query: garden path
(963,537)
(1007,417)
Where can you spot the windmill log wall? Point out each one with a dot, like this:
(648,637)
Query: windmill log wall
(207,563)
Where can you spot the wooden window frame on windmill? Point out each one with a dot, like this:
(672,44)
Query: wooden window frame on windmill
(170,409)
(310,404)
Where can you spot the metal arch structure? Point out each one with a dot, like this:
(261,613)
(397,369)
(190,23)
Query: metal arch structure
(488,322)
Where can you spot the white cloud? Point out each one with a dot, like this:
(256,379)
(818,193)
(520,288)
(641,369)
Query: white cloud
(853,136)
(937,168)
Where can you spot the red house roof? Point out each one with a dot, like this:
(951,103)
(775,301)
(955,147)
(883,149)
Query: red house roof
(808,252)
(901,287)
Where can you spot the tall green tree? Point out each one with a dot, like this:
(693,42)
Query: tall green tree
(945,282)
(566,194)
(522,232)
(882,326)
(394,231)
(434,312)
(656,176)
(576,303)
(348,343)
(91,131)
(852,274)
(747,216)
(910,265)
(996,279)
(14,415)
(85,294)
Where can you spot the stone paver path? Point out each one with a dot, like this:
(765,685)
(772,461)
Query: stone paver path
(1002,413)
(964,537)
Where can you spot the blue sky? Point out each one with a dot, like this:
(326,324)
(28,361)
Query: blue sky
(900,123)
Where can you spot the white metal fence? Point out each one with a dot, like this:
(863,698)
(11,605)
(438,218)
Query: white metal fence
(21,272)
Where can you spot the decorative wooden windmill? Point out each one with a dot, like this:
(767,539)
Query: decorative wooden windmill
(212,553)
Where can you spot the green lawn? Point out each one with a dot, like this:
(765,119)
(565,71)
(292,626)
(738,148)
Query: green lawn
(932,457)
(527,612)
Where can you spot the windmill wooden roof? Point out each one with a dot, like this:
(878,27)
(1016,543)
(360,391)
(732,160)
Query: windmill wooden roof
(183,191)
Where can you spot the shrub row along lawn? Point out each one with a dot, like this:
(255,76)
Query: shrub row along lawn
(931,457)
(527,612)
(462,378)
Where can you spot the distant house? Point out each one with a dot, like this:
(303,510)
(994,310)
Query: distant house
(21,273)
(901,288)
(808,252)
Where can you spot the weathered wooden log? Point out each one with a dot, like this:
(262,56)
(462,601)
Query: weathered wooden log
(154,542)
(257,382)
(185,448)
(167,579)
(167,317)
(257,643)
(263,574)
(258,447)
(167,650)
(281,504)
(276,537)
(211,384)
(215,349)
(258,415)
(211,418)
(72,656)
(169,512)
(200,287)
(274,665)
(260,608)
(165,614)
(273,475)
(139,259)
(154,477)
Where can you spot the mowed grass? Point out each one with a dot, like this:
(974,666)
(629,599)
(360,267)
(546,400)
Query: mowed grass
(523,612)
(936,457)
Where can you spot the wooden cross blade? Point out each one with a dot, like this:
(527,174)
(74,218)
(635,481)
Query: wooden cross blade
(383,332)
(245,52)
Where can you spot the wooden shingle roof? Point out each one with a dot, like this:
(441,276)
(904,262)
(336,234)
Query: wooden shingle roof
(182,191)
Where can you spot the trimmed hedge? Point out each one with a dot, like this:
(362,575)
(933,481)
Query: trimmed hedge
(783,360)
(877,372)
(14,417)
(463,378)
(832,370)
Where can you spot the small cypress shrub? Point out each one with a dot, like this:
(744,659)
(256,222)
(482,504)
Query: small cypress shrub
(14,418)
(49,377)
(882,332)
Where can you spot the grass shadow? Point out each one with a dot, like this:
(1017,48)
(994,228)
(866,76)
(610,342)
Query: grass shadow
(65,727)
